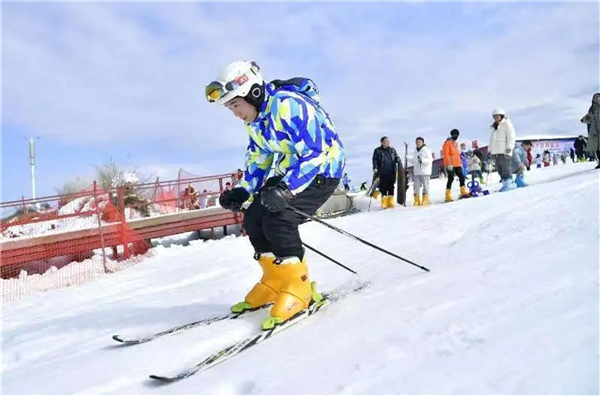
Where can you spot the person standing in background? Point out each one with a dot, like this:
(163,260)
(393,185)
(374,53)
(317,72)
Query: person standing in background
(385,165)
(580,147)
(453,165)
(592,119)
(346,182)
(502,141)
(422,160)
(520,163)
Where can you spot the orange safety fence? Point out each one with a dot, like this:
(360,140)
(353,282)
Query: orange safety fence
(65,240)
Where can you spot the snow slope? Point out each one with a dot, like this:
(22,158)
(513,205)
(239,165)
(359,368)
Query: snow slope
(510,307)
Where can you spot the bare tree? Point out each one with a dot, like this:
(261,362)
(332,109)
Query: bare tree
(73,186)
(112,174)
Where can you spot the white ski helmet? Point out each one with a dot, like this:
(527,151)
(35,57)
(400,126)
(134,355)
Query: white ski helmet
(499,112)
(238,79)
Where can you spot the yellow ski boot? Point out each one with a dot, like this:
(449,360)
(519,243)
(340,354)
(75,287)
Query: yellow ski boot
(265,291)
(384,202)
(425,200)
(418,200)
(390,202)
(449,196)
(295,294)
(464,192)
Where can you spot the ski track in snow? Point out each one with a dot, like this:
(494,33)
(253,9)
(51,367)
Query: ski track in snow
(510,307)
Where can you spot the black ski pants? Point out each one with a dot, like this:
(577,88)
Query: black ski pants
(387,184)
(458,172)
(278,232)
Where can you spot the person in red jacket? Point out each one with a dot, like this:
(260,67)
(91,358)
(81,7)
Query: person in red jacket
(453,165)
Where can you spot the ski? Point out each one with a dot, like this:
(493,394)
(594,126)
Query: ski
(140,339)
(240,346)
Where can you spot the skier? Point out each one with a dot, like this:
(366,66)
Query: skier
(385,165)
(453,165)
(580,146)
(422,160)
(538,161)
(546,158)
(346,182)
(555,159)
(502,141)
(592,119)
(519,162)
(292,139)
(572,154)
(474,165)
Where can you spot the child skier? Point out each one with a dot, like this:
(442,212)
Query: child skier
(519,162)
(474,166)
(546,159)
(291,138)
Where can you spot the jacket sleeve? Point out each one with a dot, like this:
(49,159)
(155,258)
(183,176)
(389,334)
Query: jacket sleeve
(297,119)
(413,158)
(258,165)
(510,135)
(375,165)
(446,154)
(586,119)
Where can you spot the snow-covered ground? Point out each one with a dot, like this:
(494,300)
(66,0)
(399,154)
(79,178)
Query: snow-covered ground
(510,307)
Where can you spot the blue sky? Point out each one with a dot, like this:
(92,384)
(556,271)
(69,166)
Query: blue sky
(127,79)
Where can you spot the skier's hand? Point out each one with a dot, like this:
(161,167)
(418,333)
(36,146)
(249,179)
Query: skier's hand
(233,199)
(449,168)
(276,198)
(375,170)
(508,152)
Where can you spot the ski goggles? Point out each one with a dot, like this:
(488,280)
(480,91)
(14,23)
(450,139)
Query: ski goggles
(216,90)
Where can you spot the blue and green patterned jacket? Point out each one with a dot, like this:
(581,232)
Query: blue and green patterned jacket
(292,137)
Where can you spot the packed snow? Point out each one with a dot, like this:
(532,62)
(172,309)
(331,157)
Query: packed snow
(510,307)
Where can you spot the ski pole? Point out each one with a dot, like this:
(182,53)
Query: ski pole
(314,218)
(329,258)
(243,210)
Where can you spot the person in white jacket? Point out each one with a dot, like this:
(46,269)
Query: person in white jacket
(422,160)
(502,141)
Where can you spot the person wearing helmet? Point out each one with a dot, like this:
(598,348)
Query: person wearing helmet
(294,158)
(453,165)
(502,141)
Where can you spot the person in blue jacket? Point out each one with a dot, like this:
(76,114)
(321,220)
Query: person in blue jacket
(520,162)
(294,158)
(346,182)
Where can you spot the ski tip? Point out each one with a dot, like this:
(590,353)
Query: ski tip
(118,338)
(162,378)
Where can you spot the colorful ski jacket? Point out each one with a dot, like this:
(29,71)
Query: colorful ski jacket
(292,137)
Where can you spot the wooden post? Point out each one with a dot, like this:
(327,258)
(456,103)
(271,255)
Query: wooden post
(100,227)
(124,236)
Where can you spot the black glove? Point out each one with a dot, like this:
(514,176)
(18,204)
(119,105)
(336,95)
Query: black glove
(233,199)
(276,198)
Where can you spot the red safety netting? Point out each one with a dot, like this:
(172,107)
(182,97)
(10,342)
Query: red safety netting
(65,240)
